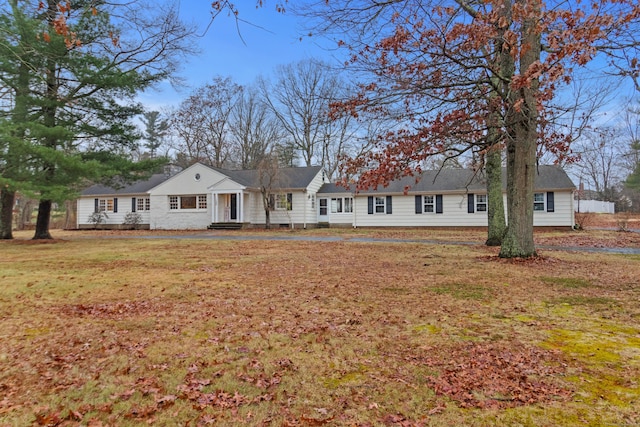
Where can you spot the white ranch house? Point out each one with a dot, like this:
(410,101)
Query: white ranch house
(200,197)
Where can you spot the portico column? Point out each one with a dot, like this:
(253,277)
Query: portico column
(214,207)
(241,206)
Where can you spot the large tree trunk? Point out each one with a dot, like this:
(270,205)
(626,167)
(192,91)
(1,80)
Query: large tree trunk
(71,215)
(505,64)
(7,199)
(496,226)
(25,213)
(42,223)
(267,219)
(521,149)
(518,240)
(49,113)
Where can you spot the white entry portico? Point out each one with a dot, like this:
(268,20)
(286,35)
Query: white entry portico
(227,207)
(228,201)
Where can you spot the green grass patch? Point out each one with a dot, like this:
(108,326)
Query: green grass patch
(584,300)
(463,291)
(568,282)
(609,359)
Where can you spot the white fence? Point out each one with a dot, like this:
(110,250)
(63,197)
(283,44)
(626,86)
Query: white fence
(595,206)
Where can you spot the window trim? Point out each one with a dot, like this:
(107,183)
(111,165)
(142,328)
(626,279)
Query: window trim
(373,204)
(342,205)
(547,201)
(143,204)
(348,205)
(426,205)
(436,203)
(106,205)
(176,202)
(323,206)
(336,205)
(275,201)
(542,203)
(482,206)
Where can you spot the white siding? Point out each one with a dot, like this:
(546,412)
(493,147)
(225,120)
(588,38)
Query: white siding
(454,207)
(86,207)
(310,201)
(316,183)
(162,218)
(303,210)
(183,184)
(227,185)
(562,215)
(455,213)
(299,203)
(337,218)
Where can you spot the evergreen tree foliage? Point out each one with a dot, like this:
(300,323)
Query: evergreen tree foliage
(74,69)
(155,130)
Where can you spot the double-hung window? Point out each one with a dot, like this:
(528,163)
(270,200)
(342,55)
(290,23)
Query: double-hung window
(348,204)
(476,203)
(336,205)
(378,205)
(143,204)
(544,202)
(481,202)
(538,201)
(341,205)
(106,205)
(429,204)
(281,202)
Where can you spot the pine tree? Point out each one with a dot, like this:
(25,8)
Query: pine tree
(72,116)
(155,131)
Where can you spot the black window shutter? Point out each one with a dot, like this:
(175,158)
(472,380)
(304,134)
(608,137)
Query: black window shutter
(272,202)
(370,205)
(96,205)
(470,203)
(418,204)
(289,201)
(550,202)
(438,203)
(389,210)
(115,205)
(133,204)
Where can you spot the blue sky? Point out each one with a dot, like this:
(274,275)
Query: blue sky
(266,40)
(270,39)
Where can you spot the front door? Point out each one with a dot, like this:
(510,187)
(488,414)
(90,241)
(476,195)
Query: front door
(323,210)
(234,207)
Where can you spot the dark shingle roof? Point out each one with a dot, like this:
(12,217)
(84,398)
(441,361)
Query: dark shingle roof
(336,188)
(553,178)
(286,178)
(138,187)
(460,180)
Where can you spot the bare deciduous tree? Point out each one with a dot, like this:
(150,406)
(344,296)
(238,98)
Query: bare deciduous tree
(599,166)
(254,130)
(202,121)
(300,99)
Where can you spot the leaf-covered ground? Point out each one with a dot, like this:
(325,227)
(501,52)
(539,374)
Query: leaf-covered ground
(106,332)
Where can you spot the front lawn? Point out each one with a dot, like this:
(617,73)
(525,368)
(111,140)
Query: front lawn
(194,332)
